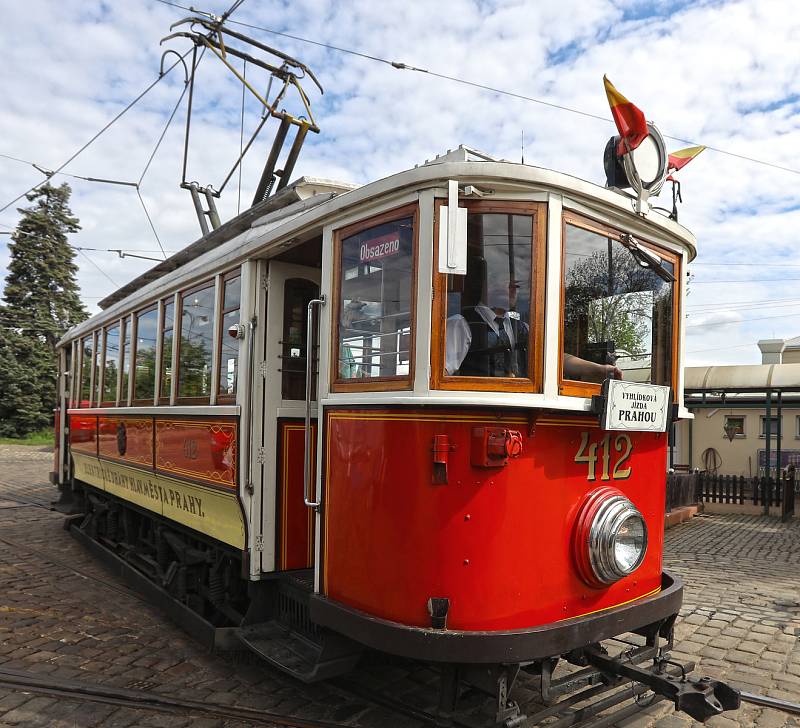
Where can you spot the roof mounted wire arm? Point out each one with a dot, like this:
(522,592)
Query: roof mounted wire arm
(209,32)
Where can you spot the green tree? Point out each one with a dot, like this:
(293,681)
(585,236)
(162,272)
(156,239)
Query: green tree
(40,302)
(613,299)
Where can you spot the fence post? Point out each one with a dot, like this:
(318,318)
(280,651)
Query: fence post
(787,510)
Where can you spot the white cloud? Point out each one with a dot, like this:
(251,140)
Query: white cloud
(698,69)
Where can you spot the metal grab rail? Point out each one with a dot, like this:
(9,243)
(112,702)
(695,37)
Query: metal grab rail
(307,499)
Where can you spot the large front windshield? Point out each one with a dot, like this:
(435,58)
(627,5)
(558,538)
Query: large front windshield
(489,309)
(617,313)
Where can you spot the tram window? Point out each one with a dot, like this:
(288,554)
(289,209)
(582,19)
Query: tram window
(167,335)
(488,324)
(297,292)
(111,365)
(616,312)
(87,357)
(195,352)
(376,289)
(126,358)
(144,368)
(98,368)
(229,348)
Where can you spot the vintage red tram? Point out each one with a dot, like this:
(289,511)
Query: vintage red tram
(427,416)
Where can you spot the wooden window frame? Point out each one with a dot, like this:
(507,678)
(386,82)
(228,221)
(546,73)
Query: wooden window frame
(208,283)
(88,404)
(374,384)
(135,350)
(109,402)
(576,388)
(162,399)
(533,383)
(230,275)
(128,328)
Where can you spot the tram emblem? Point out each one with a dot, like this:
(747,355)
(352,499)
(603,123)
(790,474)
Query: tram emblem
(190,448)
(122,439)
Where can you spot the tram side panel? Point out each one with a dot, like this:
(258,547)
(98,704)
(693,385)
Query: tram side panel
(184,469)
(497,542)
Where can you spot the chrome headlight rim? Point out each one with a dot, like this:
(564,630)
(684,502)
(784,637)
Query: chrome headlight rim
(612,514)
(604,505)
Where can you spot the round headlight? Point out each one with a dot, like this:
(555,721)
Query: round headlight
(611,538)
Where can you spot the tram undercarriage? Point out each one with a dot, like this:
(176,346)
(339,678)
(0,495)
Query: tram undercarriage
(199,585)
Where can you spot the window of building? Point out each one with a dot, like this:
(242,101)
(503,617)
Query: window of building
(144,375)
(196,348)
(297,292)
(167,336)
(126,358)
(376,286)
(734,423)
(229,347)
(87,357)
(774,422)
(618,308)
(111,367)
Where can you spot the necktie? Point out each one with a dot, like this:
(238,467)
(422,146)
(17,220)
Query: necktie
(504,343)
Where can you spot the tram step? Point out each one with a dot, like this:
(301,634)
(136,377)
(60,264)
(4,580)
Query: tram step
(305,659)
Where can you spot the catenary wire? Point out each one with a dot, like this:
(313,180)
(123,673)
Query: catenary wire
(116,285)
(740,321)
(99,133)
(455,79)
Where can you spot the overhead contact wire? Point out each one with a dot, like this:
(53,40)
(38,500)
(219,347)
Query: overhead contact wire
(492,89)
(99,133)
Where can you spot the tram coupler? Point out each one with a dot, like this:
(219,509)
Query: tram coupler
(701,698)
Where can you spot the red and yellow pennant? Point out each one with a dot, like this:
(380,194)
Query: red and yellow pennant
(678,160)
(630,121)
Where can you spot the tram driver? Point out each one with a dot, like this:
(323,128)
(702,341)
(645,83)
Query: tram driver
(489,338)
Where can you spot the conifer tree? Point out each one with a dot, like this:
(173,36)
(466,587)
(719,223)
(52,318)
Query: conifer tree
(40,302)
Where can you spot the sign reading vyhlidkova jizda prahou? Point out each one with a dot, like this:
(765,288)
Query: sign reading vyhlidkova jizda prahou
(635,406)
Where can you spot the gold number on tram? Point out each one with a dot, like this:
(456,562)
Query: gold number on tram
(590,458)
(620,442)
(587,453)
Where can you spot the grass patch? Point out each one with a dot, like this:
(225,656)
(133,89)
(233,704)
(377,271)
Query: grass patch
(40,438)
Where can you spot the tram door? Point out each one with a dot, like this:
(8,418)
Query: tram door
(287,524)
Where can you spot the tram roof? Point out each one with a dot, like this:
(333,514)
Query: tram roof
(310,203)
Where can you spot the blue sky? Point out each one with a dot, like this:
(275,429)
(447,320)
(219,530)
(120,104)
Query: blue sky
(717,73)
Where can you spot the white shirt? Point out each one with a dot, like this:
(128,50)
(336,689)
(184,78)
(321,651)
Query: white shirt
(458,336)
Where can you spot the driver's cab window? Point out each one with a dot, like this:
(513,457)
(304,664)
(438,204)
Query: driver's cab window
(618,303)
(492,315)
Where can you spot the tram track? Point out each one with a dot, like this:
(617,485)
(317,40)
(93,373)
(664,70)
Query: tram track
(77,690)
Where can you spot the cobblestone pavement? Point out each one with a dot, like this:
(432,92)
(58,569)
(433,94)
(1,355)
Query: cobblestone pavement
(64,615)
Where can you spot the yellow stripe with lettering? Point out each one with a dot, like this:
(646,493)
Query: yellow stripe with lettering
(209,511)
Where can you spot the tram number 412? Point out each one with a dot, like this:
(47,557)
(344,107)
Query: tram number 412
(588,453)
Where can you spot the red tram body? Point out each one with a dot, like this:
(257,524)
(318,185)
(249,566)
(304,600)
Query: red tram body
(443,485)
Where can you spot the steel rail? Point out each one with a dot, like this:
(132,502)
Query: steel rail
(140,699)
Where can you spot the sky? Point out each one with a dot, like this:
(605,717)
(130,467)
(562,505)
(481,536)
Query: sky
(723,74)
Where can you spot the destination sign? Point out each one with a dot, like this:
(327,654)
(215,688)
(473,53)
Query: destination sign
(380,247)
(635,406)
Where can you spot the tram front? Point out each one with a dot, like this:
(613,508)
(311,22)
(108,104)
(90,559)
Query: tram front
(497,384)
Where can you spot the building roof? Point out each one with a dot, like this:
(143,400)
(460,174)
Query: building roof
(743,377)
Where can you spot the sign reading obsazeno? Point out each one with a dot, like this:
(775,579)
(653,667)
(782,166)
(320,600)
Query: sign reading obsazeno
(635,406)
(380,247)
